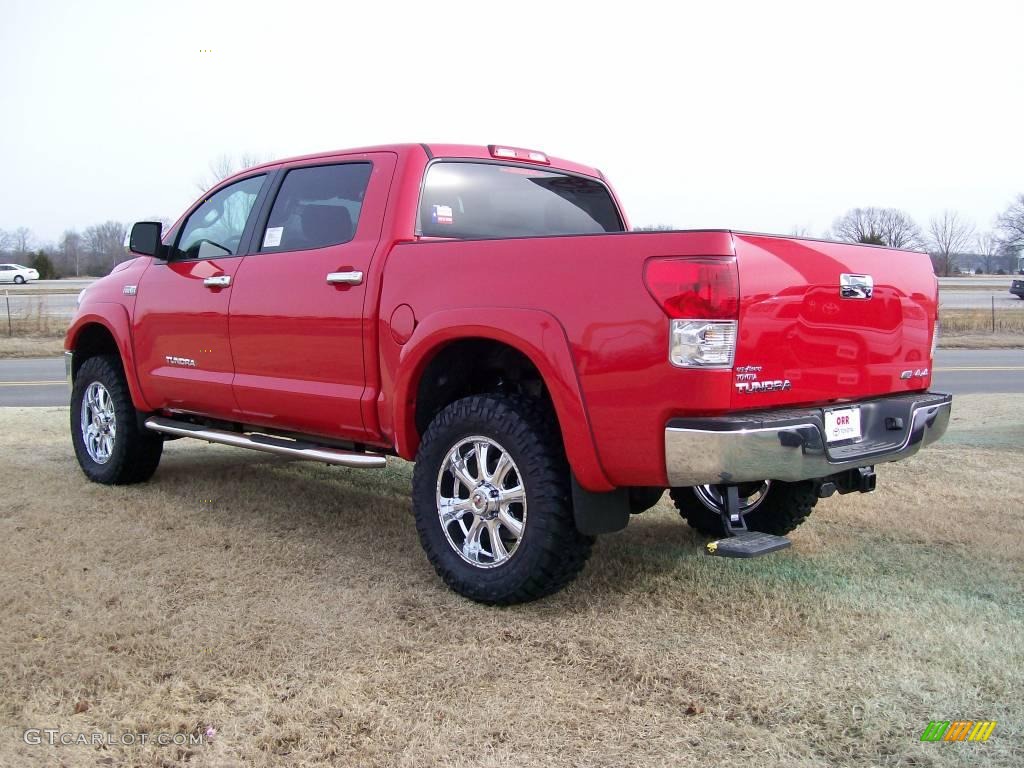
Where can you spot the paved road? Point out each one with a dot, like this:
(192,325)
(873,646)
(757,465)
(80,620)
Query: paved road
(980,299)
(33,382)
(960,371)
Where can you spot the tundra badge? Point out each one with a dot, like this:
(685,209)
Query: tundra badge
(188,362)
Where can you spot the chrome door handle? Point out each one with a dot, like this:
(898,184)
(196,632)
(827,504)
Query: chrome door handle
(347,278)
(218,281)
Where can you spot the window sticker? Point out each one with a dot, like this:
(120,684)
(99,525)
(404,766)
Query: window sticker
(273,237)
(442,214)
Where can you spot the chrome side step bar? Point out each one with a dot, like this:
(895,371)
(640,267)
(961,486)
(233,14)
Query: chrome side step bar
(268,443)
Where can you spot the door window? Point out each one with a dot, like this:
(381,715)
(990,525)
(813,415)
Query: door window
(316,207)
(214,229)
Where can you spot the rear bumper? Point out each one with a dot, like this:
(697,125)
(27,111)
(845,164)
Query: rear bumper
(790,444)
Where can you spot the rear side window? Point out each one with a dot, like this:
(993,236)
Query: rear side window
(484,200)
(316,207)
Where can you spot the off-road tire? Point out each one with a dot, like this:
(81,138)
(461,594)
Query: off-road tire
(642,498)
(785,506)
(136,451)
(551,552)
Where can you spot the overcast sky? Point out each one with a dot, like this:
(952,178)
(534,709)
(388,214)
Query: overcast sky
(760,116)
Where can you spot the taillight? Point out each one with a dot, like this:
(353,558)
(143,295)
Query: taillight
(695,288)
(702,298)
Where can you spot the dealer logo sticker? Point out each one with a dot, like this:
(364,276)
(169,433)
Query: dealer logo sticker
(958,730)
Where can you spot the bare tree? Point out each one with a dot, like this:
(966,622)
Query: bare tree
(225,165)
(950,234)
(987,245)
(879,226)
(654,228)
(21,242)
(71,251)
(1010,223)
(105,245)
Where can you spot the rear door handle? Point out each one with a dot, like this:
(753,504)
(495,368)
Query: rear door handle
(344,278)
(218,281)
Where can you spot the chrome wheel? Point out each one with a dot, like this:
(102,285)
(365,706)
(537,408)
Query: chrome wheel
(481,502)
(751,496)
(99,425)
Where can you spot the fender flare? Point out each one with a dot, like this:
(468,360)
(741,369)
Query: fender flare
(536,334)
(113,317)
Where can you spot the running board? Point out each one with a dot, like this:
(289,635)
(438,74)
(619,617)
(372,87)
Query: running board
(268,443)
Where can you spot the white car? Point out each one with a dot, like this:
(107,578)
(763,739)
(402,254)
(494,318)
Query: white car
(15,273)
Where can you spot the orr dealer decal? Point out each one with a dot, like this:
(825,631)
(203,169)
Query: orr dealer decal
(748,383)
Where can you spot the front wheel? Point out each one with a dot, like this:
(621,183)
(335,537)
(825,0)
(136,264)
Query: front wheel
(19,280)
(768,506)
(109,444)
(493,504)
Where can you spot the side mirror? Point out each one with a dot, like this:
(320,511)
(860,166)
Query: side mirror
(145,238)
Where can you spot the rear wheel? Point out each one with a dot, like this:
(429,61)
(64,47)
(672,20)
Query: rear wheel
(768,506)
(109,444)
(492,501)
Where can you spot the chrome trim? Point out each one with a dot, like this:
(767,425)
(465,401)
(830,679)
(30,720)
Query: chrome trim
(856,286)
(788,453)
(344,278)
(217,281)
(268,444)
(69,367)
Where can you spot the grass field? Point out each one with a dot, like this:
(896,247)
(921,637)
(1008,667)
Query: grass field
(980,321)
(289,606)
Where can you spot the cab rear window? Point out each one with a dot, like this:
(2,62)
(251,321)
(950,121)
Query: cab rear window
(488,200)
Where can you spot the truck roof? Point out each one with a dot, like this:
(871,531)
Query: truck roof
(434,151)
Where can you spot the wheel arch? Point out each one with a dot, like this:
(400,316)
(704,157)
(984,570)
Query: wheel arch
(532,336)
(105,329)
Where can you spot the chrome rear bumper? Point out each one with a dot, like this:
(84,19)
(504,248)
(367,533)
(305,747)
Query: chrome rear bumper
(790,445)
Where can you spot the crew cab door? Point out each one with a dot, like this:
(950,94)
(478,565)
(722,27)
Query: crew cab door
(297,304)
(181,306)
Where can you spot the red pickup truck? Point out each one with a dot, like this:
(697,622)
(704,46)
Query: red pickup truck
(486,312)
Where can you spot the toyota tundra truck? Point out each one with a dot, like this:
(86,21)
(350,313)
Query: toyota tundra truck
(487,313)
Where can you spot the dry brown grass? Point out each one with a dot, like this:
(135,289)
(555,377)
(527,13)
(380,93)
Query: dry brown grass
(982,341)
(31,346)
(32,319)
(289,606)
(979,321)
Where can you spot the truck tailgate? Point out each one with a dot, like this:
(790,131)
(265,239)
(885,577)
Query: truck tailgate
(803,339)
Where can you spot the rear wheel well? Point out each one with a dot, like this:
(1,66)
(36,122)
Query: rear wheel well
(94,339)
(476,367)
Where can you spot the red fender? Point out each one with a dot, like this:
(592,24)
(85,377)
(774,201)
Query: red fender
(536,334)
(113,317)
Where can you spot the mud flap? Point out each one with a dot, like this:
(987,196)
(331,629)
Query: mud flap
(597,513)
